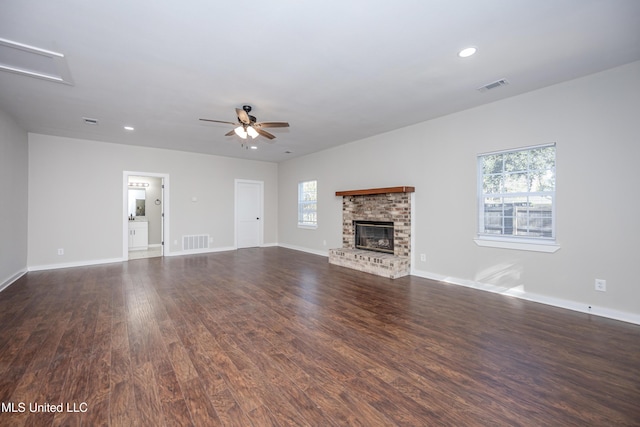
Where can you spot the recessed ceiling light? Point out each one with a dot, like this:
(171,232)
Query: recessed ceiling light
(467,52)
(128,128)
(253,147)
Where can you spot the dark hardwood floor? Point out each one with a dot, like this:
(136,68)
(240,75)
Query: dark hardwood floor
(261,337)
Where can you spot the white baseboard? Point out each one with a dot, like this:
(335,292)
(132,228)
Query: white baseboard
(201,251)
(9,280)
(74,264)
(114,260)
(301,249)
(542,299)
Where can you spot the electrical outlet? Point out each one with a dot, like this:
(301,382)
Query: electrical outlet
(60,251)
(423,257)
(601,285)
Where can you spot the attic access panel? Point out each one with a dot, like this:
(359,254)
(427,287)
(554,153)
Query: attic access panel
(33,62)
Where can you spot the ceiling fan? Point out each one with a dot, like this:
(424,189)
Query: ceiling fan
(248,126)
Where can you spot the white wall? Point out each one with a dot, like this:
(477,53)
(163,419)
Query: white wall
(13,200)
(76,197)
(594,122)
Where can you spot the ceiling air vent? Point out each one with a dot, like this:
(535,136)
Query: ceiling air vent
(496,84)
(89,121)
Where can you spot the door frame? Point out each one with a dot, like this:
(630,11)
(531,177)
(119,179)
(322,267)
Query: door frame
(236,210)
(164,227)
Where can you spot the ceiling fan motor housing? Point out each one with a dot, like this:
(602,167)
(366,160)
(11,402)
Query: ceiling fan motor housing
(247,109)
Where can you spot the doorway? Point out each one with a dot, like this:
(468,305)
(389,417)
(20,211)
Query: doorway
(249,212)
(146,219)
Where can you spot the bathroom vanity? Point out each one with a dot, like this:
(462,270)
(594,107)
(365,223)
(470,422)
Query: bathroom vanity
(138,235)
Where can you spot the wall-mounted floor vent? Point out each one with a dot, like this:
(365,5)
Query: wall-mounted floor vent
(195,242)
(494,85)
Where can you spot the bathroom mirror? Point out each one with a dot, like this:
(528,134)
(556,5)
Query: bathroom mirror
(137,202)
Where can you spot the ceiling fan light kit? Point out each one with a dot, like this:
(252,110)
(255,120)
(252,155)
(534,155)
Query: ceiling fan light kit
(252,132)
(249,126)
(240,132)
(243,131)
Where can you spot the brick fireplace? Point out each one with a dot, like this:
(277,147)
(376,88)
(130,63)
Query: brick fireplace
(378,205)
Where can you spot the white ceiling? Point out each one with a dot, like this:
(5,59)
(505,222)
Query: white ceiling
(337,71)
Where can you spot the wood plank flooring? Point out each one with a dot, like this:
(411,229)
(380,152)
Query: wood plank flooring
(275,337)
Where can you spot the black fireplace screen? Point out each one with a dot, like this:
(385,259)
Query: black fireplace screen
(374,236)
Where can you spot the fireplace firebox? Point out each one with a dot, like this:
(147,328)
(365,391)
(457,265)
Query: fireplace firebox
(374,236)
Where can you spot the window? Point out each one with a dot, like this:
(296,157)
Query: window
(516,195)
(308,204)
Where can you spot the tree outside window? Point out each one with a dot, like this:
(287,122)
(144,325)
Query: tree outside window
(308,204)
(516,193)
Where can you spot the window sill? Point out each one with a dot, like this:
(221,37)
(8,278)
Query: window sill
(519,245)
(307,227)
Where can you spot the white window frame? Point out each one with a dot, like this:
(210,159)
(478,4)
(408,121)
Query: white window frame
(528,243)
(302,202)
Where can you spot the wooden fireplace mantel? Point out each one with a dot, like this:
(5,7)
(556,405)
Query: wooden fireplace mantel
(370,191)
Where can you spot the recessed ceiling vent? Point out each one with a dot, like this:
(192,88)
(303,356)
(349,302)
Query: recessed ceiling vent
(89,121)
(494,85)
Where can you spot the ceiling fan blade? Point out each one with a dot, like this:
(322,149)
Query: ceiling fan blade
(218,121)
(264,133)
(243,116)
(271,125)
(230,133)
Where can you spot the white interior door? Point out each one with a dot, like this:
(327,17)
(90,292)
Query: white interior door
(249,209)
(161,216)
